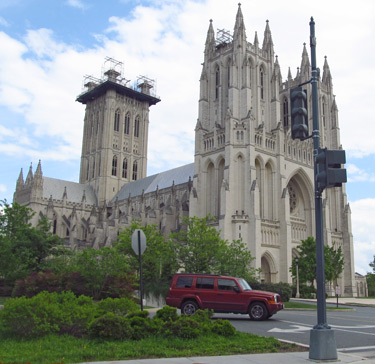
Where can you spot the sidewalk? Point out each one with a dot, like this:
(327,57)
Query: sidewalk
(279,358)
(343,301)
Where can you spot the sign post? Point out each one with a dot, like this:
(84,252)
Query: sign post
(139,247)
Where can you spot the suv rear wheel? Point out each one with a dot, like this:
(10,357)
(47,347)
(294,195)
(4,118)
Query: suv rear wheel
(258,311)
(189,307)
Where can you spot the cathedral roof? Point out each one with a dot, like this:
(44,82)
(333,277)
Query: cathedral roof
(74,191)
(159,181)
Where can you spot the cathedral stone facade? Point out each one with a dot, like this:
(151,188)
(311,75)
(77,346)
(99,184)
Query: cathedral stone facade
(248,172)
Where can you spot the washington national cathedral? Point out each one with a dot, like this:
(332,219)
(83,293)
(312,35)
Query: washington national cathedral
(248,172)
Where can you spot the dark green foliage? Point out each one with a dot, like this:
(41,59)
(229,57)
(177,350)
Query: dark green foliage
(307,291)
(47,313)
(23,248)
(112,327)
(167,313)
(117,306)
(283,289)
(141,327)
(333,262)
(185,327)
(223,328)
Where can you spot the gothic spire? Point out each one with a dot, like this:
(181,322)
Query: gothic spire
(267,41)
(210,40)
(327,78)
(30,176)
(239,27)
(256,40)
(38,172)
(20,181)
(305,63)
(289,75)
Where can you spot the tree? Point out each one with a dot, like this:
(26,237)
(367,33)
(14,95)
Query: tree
(333,262)
(159,261)
(200,249)
(370,279)
(24,248)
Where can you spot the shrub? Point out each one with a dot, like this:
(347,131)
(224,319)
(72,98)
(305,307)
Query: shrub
(118,306)
(167,313)
(223,328)
(141,326)
(47,313)
(111,326)
(307,291)
(185,327)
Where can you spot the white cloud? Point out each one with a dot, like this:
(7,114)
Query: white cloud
(364,238)
(356,174)
(3,188)
(76,4)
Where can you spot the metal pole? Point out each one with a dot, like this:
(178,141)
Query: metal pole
(322,342)
(297,293)
(140,268)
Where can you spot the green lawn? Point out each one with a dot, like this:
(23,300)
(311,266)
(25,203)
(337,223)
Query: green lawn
(311,306)
(68,349)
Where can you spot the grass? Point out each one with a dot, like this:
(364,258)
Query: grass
(68,349)
(312,306)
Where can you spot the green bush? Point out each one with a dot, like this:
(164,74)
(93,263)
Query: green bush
(223,328)
(307,291)
(167,313)
(47,313)
(118,306)
(111,326)
(141,326)
(185,327)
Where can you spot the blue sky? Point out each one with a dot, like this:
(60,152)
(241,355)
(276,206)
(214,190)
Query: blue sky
(47,47)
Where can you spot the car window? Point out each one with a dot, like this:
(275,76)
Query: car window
(245,286)
(205,283)
(184,282)
(226,284)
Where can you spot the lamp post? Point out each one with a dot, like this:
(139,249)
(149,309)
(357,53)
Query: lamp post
(297,292)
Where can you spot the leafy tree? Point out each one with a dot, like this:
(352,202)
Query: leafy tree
(24,248)
(333,262)
(370,279)
(198,246)
(200,249)
(158,261)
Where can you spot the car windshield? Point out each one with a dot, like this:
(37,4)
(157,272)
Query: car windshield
(244,285)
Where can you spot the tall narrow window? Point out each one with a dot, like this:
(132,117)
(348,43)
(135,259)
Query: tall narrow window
(286,113)
(324,112)
(127,124)
(93,169)
(261,84)
(217,82)
(136,127)
(135,170)
(114,166)
(125,168)
(116,126)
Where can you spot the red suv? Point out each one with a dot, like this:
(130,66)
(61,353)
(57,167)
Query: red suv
(191,292)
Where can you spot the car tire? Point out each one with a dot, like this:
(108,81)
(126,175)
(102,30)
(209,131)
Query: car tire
(189,308)
(258,311)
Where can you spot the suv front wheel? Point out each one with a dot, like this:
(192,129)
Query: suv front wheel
(189,307)
(258,311)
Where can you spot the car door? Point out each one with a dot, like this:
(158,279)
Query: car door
(230,297)
(204,290)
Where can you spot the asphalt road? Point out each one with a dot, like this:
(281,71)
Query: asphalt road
(354,330)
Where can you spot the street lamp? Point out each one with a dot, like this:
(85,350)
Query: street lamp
(297,292)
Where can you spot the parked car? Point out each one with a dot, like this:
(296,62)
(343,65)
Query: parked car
(190,292)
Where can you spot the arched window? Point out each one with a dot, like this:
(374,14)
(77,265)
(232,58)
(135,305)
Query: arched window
(116,126)
(135,171)
(286,113)
(261,83)
(125,168)
(114,166)
(127,124)
(93,169)
(136,127)
(217,82)
(324,109)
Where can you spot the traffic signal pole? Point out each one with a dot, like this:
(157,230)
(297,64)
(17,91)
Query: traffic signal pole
(322,339)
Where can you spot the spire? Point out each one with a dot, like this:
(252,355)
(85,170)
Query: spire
(210,40)
(239,27)
(20,181)
(256,40)
(30,176)
(38,171)
(267,41)
(289,75)
(305,63)
(327,78)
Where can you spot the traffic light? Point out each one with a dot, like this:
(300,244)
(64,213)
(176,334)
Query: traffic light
(298,101)
(329,171)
